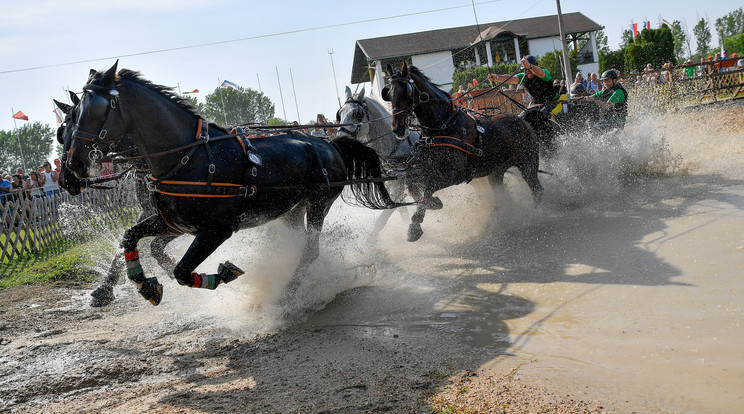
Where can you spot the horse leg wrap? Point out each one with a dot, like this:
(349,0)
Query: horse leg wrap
(226,272)
(149,288)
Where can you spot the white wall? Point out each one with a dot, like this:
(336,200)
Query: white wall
(438,66)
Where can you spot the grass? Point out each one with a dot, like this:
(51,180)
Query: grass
(71,265)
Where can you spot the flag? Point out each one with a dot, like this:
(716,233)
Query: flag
(194,91)
(645,26)
(20,115)
(60,115)
(228,84)
(635,29)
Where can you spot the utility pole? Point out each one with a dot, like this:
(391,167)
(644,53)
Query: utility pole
(330,52)
(297,107)
(18,138)
(566,62)
(281,95)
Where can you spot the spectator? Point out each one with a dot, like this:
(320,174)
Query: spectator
(18,185)
(19,171)
(50,180)
(320,119)
(689,70)
(5,194)
(579,79)
(591,83)
(35,186)
(57,166)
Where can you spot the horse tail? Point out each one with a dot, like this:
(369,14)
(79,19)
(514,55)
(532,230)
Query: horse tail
(362,162)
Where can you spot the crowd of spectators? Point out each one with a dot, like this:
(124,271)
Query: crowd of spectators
(41,182)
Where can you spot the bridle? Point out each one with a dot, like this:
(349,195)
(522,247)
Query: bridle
(99,105)
(414,93)
(359,115)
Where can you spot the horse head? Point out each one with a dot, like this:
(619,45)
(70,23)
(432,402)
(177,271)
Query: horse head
(412,93)
(353,116)
(67,179)
(99,122)
(401,94)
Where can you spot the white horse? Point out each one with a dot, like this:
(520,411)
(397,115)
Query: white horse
(371,123)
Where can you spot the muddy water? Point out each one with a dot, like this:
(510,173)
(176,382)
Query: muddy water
(625,285)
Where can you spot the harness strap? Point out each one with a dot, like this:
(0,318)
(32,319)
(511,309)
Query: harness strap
(322,167)
(452,142)
(202,133)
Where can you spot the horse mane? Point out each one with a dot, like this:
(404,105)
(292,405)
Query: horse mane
(376,106)
(434,90)
(165,91)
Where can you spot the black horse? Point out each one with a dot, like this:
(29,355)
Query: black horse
(455,147)
(208,182)
(104,294)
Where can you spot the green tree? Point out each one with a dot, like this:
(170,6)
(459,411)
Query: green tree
(602,42)
(553,62)
(36,144)
(626,38)
(652,46)
(680,38)
(702,34)
(733,23)
(195,103)
(238,106)
(614,59)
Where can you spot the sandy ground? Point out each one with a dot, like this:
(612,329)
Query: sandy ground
(622,293)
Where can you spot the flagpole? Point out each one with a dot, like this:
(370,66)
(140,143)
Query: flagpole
(295,95)
(224,114)
(259,83)
(338,97)
(18,138)
(281,95)
(178,85)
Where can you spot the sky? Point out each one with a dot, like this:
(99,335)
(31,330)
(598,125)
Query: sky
(298,53)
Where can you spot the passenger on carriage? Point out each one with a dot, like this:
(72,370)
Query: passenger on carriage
(613,100)
(537,81)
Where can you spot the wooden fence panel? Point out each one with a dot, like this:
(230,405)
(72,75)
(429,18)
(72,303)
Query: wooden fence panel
(33,224)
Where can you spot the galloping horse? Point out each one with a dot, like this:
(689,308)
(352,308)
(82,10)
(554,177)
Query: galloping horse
(455,147)
(208,182)
(366,120)
(104,294)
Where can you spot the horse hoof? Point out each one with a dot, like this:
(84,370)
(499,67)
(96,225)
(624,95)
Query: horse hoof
(414,233)
(102,296)
(228,272)
(151,290)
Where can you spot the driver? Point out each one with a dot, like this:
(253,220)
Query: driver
(613,99)
(536,80)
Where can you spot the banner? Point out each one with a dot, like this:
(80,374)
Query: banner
(635,29)
(194,91)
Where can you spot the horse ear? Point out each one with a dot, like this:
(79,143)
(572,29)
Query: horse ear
(389,69)
(404,69)
(360,96)
(108,77)
(74,98)
(385,94)
(63,106)
(348,93)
